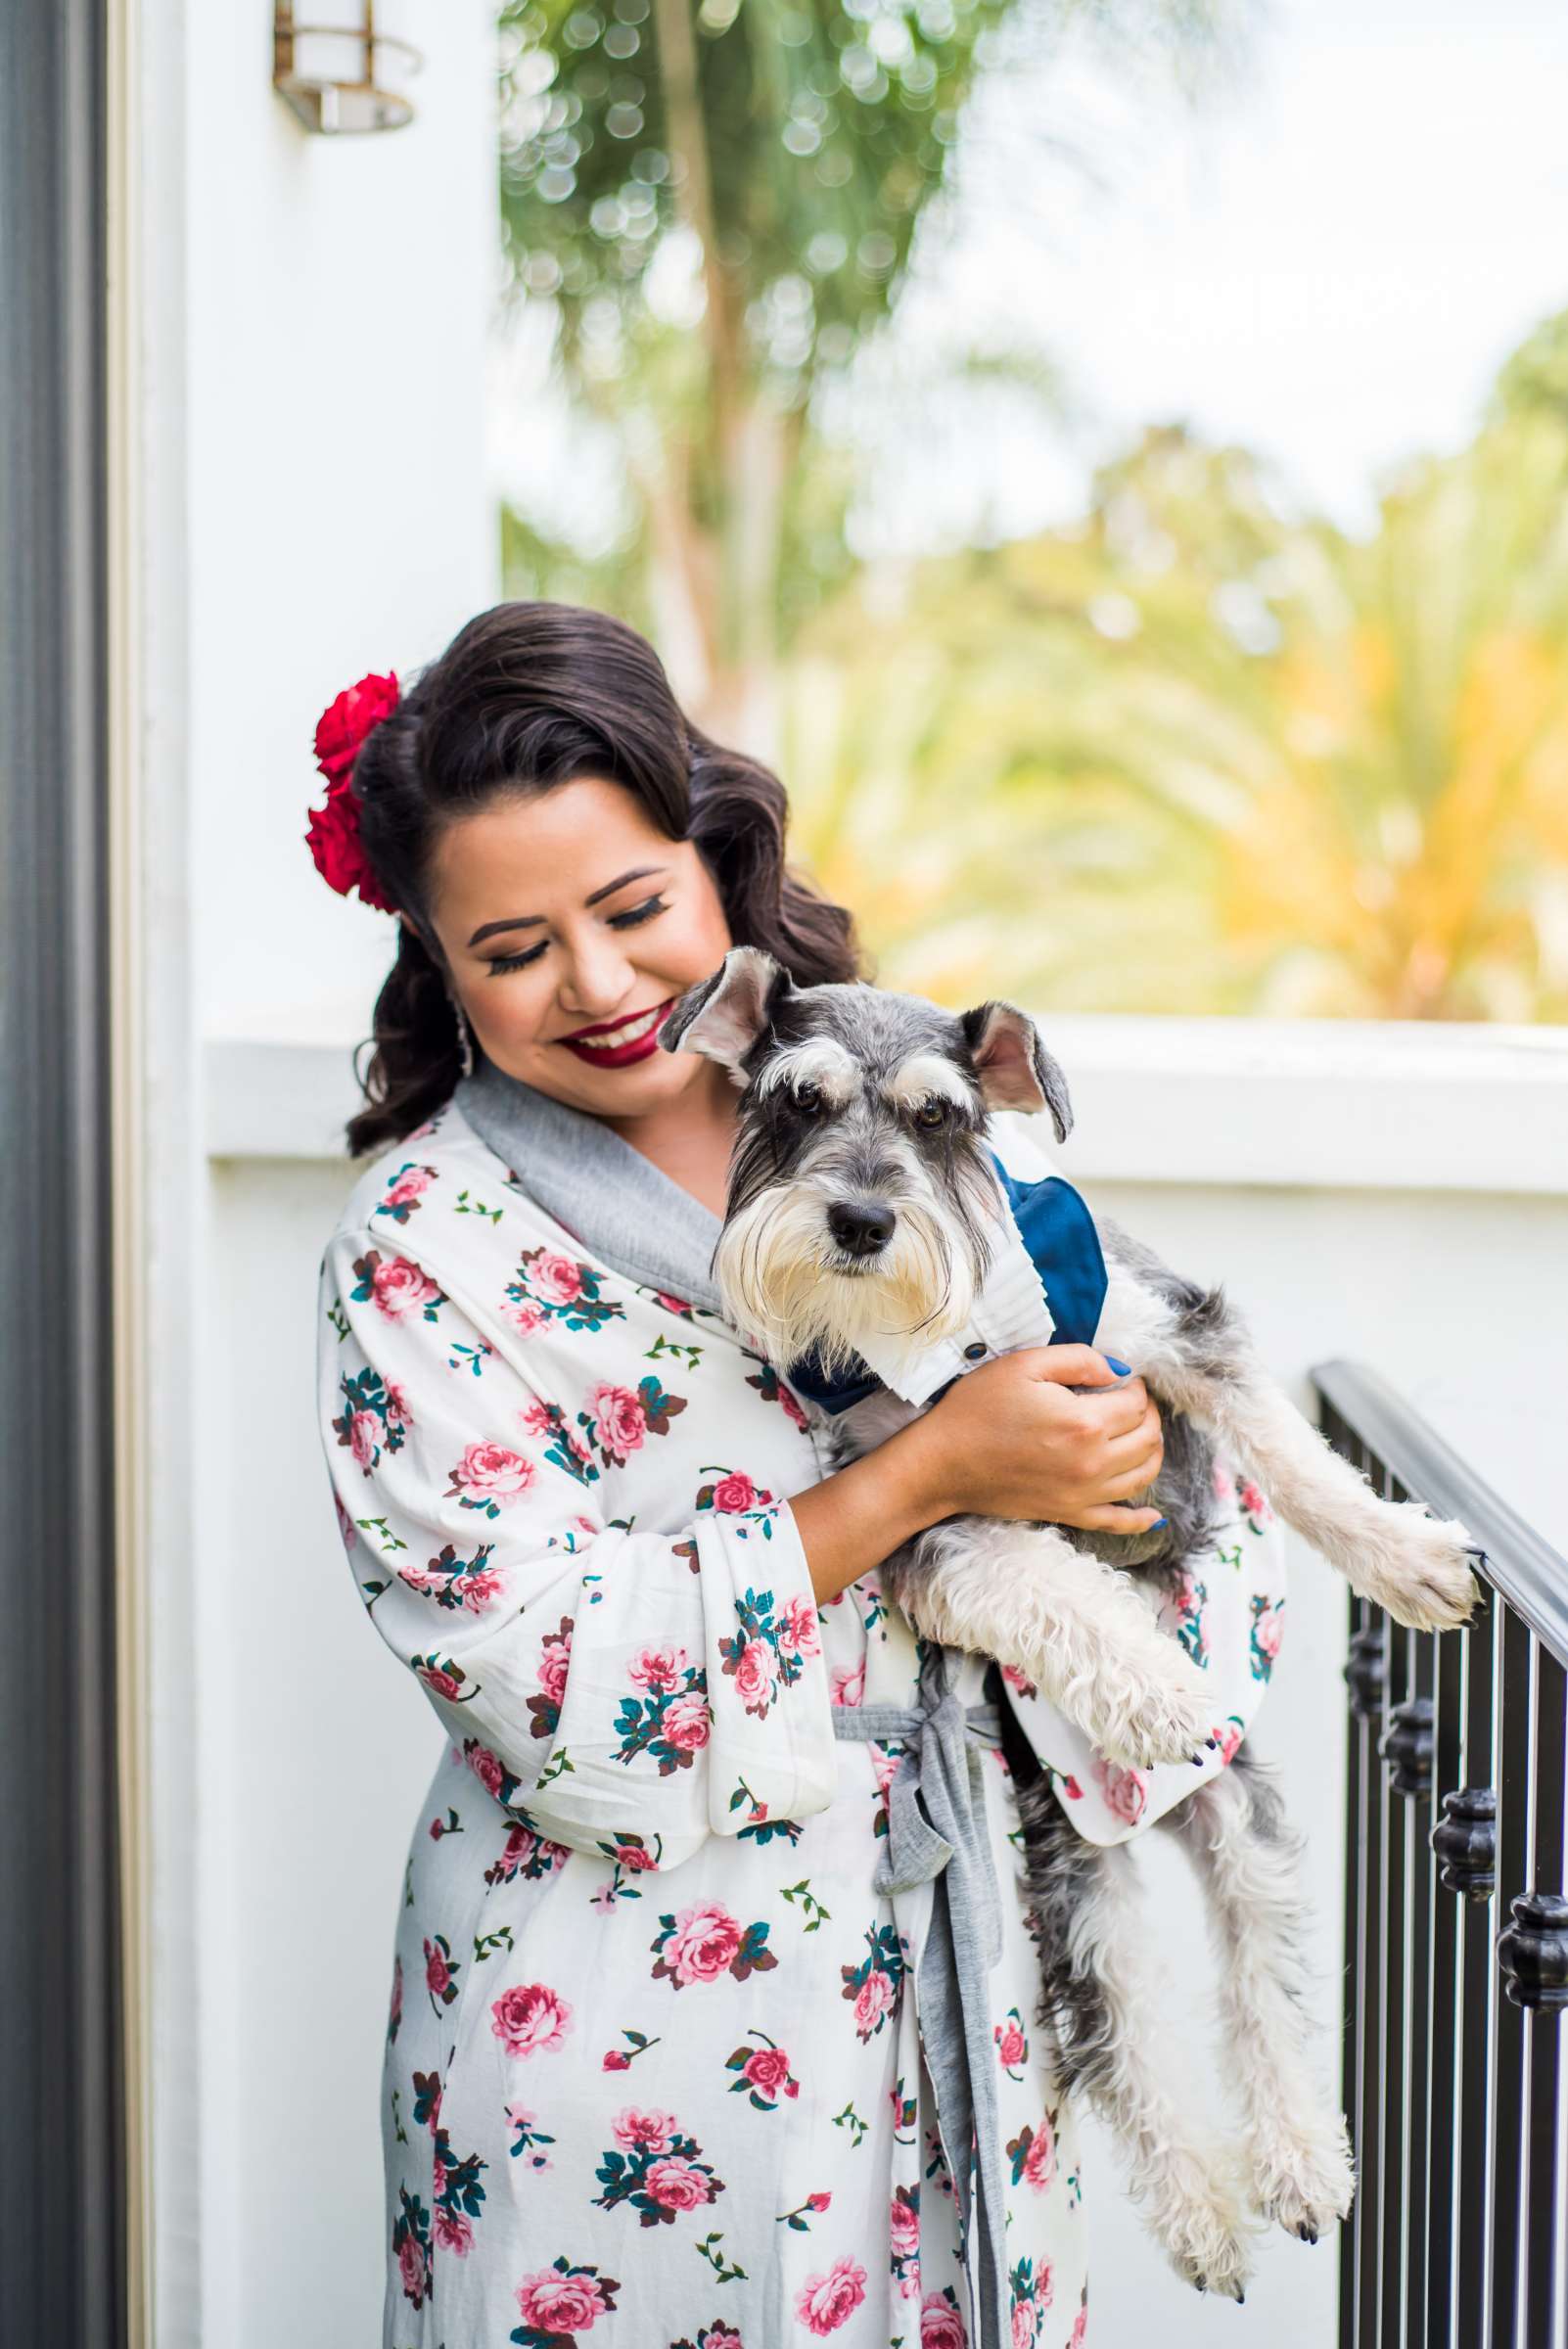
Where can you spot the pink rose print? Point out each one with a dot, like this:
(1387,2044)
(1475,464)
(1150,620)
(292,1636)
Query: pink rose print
(658,1669)
(556,1278)
(364,1437)
(1012,2047)
(1017,1680)
(1033,2154)
(454,2232)
(644,2132)
(1079,2330)
(1125,1791)
(797,1628)
(411,2266)
(1253,1501)
(619,1421)
(904,2222)
(828,2301)
(704,1943)
(528,2017)
(686,1723)
(1024,2323)
(561,2301)
(555,1662)
(755,1675)
(345,1523)
(409,1186)
(769,2069)
(671,1305)
(439,1970)
(734,1493)
(399,1287)
(1228,1733)
(884,1766)
(676,2184)
(874,2000)
(487,1768)
(489,1468)
(1225,1484)
(846,1685)
(398,1413)
(941,2324)
(1073,1790)
(525,1316)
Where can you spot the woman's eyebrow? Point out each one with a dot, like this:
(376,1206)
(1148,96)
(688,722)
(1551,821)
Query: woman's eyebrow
(533,921)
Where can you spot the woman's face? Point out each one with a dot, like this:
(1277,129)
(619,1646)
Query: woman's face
(568,911)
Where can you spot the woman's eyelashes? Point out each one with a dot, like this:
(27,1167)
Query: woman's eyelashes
(618,921)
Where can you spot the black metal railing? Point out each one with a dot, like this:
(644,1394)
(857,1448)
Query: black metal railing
(1456,1927)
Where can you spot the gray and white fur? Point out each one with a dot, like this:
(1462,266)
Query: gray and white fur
(863,1199)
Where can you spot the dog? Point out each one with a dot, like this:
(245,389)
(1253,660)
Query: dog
(862,1201)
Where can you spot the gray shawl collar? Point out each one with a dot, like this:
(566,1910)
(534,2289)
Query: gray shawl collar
(625,1211)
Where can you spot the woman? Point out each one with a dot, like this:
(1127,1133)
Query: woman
(653,2070)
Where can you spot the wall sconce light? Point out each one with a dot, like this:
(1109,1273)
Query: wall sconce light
(340,73)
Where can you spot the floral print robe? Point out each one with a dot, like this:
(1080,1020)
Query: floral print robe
(653,2073)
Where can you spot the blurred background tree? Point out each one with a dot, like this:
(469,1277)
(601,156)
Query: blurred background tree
(721,205)
(1201,751)
(1199,754)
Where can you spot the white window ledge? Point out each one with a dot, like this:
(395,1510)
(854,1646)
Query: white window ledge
(1316,1103)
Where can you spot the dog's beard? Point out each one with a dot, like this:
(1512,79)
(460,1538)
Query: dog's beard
(782,1277)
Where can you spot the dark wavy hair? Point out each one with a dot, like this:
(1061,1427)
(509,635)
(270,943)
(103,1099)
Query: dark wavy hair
(526,697)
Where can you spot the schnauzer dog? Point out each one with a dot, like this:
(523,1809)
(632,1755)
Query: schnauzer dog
(861,1202)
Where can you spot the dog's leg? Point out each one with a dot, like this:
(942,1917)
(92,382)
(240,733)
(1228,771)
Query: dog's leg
(1195,1352)
(1235,1830)
(1104,2009)
(1075,1626)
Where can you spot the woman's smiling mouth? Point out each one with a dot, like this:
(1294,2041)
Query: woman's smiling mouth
(628,1041)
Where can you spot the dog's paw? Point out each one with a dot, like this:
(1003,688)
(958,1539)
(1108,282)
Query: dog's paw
(1418,1569)
(1304,2182)
(1204,2237)
(1159,1712)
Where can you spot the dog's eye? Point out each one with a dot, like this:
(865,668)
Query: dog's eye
(808,1097)
(932,1113)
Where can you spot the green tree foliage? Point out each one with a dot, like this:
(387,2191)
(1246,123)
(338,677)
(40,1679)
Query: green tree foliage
(1200,755)
(721,204)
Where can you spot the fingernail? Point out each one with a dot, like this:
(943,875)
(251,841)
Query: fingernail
(1213,1743)
(1122,1369)
(1158,1522)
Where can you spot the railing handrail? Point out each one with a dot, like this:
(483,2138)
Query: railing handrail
(1519,1563)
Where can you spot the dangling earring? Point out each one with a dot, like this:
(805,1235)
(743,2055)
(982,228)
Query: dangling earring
(465,1042)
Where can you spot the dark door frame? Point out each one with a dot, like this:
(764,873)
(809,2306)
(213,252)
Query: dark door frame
(62,2071)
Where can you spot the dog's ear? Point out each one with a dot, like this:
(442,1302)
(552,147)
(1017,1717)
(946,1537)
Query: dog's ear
(1014,1068)
(724,1015)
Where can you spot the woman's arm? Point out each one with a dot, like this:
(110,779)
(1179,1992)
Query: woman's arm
(1009,1440)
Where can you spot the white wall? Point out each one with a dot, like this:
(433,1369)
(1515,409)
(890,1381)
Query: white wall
(1442,1290)
(298,329)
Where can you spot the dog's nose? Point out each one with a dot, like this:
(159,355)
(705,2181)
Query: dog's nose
(861,1230)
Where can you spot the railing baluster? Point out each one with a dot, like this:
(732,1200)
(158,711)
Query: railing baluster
(1447,1758)
(1457,2094)
(1351,2077)
(1477,2004)
(1543,2209)
(1515,1688)
(1396,2017)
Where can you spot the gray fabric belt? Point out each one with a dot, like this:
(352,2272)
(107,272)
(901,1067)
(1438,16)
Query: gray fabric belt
(937,1835)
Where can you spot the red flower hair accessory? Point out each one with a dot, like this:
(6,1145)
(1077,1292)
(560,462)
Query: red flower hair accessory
(334,836)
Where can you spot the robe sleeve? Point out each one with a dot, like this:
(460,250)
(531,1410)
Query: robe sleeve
(628,1691)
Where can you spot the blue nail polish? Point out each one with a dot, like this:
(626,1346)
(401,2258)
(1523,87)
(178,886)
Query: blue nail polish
(1158,1522)
(1122,1369)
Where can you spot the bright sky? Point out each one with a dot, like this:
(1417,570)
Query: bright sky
(1325,261)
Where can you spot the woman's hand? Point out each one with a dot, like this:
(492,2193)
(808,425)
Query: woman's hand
(1013,1440)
